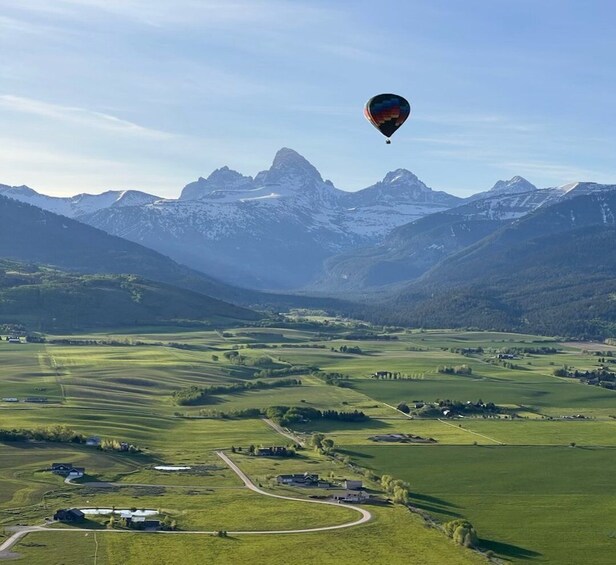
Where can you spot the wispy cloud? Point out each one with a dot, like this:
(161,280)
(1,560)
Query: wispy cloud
(60,172)
(203,13)
(493,121)
(82,116)
(566,173)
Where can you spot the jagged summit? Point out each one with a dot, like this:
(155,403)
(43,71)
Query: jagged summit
(400,186)
(401,176)
(221,179)
(514,185)
(289,165)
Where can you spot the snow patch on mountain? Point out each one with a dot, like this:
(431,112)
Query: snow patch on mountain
(580,188)
(80,204)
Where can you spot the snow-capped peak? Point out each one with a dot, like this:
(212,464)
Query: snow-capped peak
(400,187)
(289,164)
(514,185)
(220,180)
(402,176)
(80,204)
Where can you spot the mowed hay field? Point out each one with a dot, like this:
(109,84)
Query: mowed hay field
(519,481)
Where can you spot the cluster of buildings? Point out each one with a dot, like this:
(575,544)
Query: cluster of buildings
(71,515)
(352,489)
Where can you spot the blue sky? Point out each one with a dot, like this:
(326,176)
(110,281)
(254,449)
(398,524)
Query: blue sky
(150,94)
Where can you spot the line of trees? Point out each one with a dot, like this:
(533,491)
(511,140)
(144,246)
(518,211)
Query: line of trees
(285,371)
(289,415)
(63,434)
(57,434)
(458,370)
(195,395)
(334,379)
(599,377)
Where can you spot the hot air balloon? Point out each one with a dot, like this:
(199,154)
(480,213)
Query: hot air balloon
(387,112)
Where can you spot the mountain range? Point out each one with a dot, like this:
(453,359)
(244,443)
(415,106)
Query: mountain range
(33,236)
(514,257)
(251,231)
(552,271)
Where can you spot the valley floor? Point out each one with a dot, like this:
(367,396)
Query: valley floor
(533,478)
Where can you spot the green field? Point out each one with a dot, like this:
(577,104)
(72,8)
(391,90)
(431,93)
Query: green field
(381,541)
(531,496)
(545,504)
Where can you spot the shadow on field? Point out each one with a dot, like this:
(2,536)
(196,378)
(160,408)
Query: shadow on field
(435,509)
(434,504)
(357,454)
(508,550)
(433,500)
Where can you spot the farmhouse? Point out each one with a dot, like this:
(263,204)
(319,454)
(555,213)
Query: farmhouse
(506,356)
(13,339)
(67,470)
(94,441)
(76,472)
(306,479)
(69,515)
(350,496)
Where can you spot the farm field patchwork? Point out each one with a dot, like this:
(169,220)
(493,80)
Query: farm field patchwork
(530,494)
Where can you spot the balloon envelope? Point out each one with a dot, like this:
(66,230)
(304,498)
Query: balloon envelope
(387,112)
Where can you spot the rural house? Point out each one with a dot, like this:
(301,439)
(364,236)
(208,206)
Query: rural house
(69,515)
(67,470)
(350,496)
(306,479)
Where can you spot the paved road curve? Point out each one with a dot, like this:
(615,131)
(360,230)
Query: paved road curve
(21,531)
(365,515)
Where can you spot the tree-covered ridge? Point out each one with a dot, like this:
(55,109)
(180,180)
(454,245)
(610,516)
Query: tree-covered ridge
(44,298)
